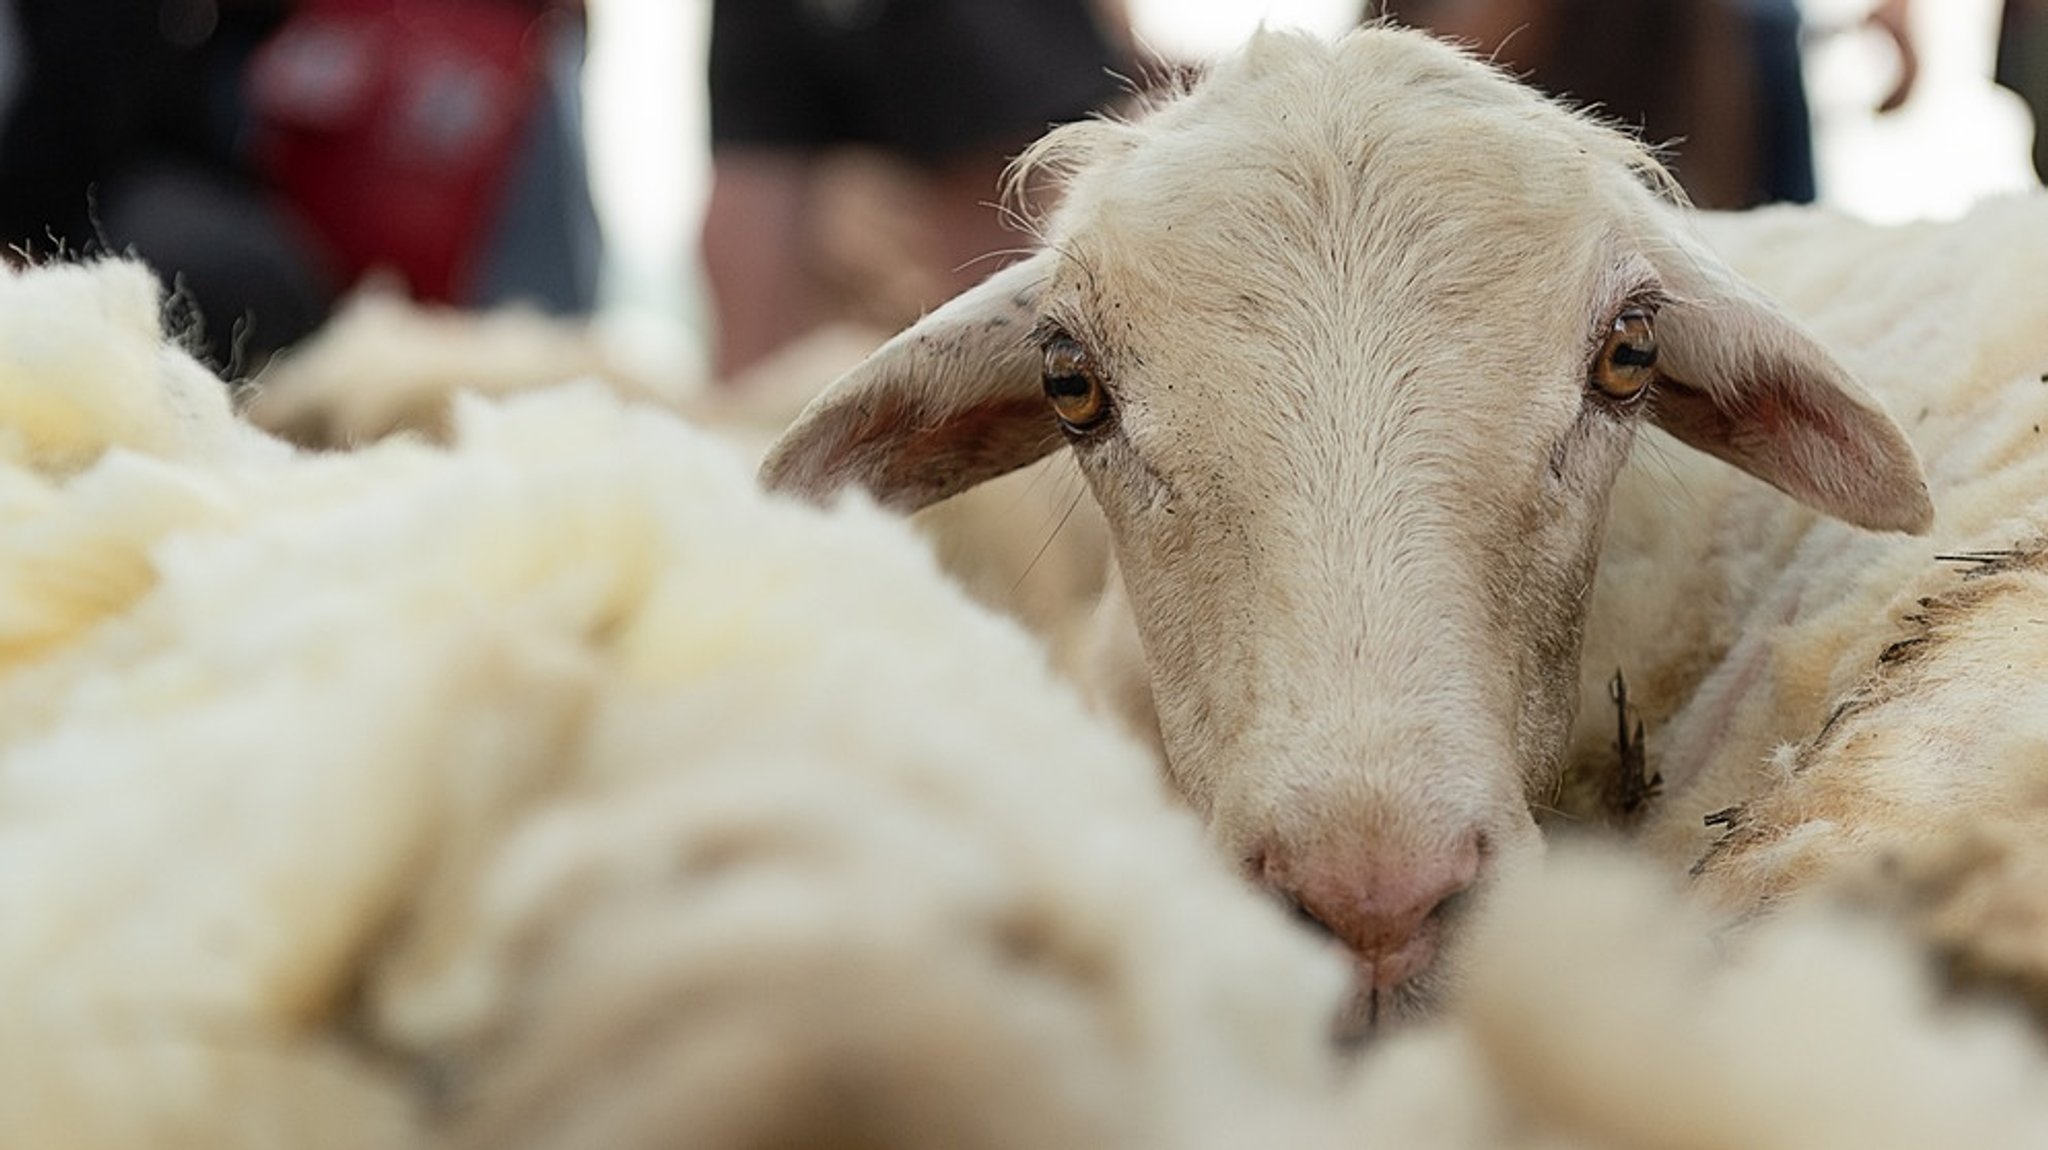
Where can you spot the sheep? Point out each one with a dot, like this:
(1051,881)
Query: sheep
(1374,361)
(556,787)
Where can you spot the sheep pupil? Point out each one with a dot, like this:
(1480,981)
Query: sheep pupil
(1635,355)
(1067,386)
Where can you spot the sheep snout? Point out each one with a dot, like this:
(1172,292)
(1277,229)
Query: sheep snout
(1386,907)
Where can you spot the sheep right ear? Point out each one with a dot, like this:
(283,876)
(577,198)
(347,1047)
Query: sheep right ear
(953,401)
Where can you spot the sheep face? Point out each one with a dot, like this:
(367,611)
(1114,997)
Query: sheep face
(1351,344)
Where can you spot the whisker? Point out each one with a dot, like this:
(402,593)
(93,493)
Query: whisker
(1031,488)
(1043,547)
(1018,220)
(998,254)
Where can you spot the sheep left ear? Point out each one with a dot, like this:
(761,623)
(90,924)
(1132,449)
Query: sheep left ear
(955,400)
(1741,380)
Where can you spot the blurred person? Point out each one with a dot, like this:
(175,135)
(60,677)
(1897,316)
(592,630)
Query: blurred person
(262,155)
(949,88)
(10,59)
(1894,19)
(123,133)
(1784,171)
(439,141)
(2023,65)
(1719,83)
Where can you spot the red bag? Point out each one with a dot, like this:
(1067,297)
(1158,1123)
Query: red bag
(393,127)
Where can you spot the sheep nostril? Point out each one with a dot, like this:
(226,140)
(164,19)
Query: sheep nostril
(1306,917)
(1451,907)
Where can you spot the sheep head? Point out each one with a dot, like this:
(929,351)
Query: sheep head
(1351,343)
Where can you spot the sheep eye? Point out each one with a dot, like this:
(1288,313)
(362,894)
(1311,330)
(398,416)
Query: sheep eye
(1072,386)
(1627,362)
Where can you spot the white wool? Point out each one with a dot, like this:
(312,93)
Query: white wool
(1759,639)
(419,765)
(384,365)
(1030,545)
(129,1083)
(72,331)
(1602,1013)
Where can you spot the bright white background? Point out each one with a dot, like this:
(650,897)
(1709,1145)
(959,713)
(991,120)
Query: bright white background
(1961,138)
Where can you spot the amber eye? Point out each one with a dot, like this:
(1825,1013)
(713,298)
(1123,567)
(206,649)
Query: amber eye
(1628,360)
(1071,384)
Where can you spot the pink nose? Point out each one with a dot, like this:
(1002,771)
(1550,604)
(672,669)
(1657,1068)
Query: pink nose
(1386,906)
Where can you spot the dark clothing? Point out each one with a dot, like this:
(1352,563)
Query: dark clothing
(928,79)
(124,137)
(238,265)
(2023,66)
(546,248)
(113,85)
(1720,85)
(1717,86)
(1785,166)
(437,140)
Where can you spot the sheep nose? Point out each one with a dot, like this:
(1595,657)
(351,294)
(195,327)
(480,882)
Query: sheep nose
(1386,907)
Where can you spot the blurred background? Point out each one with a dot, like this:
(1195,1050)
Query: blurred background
(1957,137)
(269,155)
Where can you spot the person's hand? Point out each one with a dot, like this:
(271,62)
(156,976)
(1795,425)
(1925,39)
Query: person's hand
(1893,18)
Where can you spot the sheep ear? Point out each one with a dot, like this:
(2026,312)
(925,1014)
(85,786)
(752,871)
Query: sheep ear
(1743,381)
(953,401)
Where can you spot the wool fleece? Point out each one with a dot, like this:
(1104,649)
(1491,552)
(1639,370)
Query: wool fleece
(558,788)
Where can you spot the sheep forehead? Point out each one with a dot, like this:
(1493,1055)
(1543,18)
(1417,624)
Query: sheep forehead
(1308,202)
(1429,350)
(1389,118)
